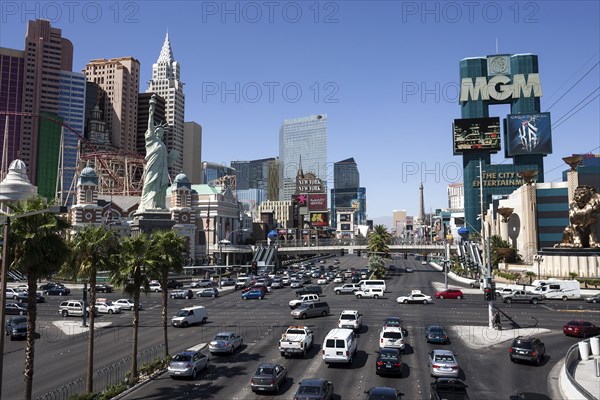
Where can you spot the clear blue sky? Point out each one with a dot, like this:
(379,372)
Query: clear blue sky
(358,61)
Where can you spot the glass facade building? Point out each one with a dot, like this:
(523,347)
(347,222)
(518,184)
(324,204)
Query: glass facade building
(12,75)
(253,174)
(212,172)
(71,107)
(302,143)
(347,192)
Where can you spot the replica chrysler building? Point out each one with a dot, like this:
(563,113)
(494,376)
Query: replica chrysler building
(166,82)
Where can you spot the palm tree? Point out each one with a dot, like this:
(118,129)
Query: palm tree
(376,266)
(167,254)
(379,241)
(93,249)
(130,274)
(38,249)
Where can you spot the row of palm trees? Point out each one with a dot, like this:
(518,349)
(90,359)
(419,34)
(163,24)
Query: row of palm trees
(40,247)
(379,250)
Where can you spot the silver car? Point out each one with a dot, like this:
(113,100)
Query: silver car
(187,363)
(443,364)
(225,342)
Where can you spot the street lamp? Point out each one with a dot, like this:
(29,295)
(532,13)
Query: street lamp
(538,259)
(226,242)
(5,220)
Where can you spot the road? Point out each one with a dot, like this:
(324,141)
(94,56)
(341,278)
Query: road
(487,370)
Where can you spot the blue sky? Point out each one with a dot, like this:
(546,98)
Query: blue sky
(385,72)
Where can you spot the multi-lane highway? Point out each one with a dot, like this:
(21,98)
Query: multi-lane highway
(486,368)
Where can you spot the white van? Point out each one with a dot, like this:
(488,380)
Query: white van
(557,289)
(339,346)
(243,282)
(372,283)
(189,316)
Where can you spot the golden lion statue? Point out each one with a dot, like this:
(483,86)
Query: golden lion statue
(584,212)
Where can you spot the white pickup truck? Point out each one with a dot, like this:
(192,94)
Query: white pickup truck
(296,340)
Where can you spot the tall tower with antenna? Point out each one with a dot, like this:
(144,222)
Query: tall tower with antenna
(421,206)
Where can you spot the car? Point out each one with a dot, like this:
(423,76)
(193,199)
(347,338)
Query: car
(580,328)
(208,292)
(155,287)
(74,308)
(225,342)
(127,304)
(393,322)
(388,362)
(415,297)
(23,297)
(181,294)
(527,348)
(475,284)
(456,389)
(277,283)
(296,283)
(313,309)
(16,327)
(202,283)
(450,294)
(314,389)
(105,306)
(14,309)
(227,282)
(374,293)
(350,319)
(348,288)
(104,288)
(322,281)
(391,337)
(263,289)
(253,294)
(408,269)
(338,279)
(187,363)
(312,289)
(14,293)
(382,393)
(336,261)
(174,284)
(593,299)
(436,334)
(268,377)
(41,287)
(442,363)
(56,290)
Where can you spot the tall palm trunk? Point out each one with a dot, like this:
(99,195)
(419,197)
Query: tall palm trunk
(90,366)
(137,280)
(163,284)
(31,323)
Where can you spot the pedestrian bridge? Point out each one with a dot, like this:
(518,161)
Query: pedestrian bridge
(352,249)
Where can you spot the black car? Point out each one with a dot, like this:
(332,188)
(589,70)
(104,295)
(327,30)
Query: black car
(208,292)
(181,294)
(57,290)
(268,377)
(449,388)
(314,389)
(104,288)
(14,309)
(16,327)
(382,393)
(529,349)
(174,284)
(311,289)
(388,362)
(23,297)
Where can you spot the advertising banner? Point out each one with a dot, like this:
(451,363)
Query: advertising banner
(345,217)
(300,199)
(529,134)
(355,203)
(317,202)
(476,134)
(319,219)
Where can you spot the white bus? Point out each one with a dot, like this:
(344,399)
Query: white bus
(557,289)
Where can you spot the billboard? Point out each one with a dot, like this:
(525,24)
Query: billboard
(319,219)
(317,202)
(355,203)
(300,199)
(476,134)
(345,227)
(528,134)
(344,217)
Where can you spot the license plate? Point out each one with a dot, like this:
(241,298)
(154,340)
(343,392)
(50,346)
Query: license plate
(388,366)
(446,369)
(522,352)
(339,353)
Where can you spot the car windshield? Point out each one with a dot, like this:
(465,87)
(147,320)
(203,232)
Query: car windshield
(348,316)
(182,357)
(221,337)
(264,371)
(182,313)
(309,390)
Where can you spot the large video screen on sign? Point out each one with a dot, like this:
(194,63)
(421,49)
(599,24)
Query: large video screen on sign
(319,219)
(317,202)
(476,134)
(528,134)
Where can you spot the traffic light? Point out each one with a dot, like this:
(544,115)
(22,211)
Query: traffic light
(358,253)
(254,268)
(341,252)
(488,295)
(406,256)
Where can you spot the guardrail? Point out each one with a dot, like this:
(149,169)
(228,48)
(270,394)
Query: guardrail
(572,356)
(108,376)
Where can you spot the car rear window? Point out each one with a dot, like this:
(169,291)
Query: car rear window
(335,343)
(309,390)
(264,371)
(444,358)
(523,345)
(392,335)
(348,316)
(182,357)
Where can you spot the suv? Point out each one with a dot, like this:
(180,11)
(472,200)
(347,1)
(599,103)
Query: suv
(174,284)
(391,337)
(202,283)
(528,349)
(350,319)
(16,327)
(312,289)
(73,307)
(305,298)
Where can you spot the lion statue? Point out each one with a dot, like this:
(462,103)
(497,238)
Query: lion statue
(584,212)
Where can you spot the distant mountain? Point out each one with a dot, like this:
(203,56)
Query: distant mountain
(387,221)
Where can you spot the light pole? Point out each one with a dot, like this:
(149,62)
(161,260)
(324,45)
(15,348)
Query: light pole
(221,243)
(538,259)
(5,219)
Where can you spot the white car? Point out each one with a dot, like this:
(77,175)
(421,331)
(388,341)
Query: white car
(415,297)
(374,293)
(126,304)
(104,306)
(338,279)
(393,337)
(12,293)
(350,319)
(322,281)
(296,284)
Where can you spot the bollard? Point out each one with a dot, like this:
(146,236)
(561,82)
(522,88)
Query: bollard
(584,350)
(595,344)
(598,368)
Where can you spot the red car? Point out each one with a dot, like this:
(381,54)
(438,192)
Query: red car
(264,289)
(450,294)
(580,329)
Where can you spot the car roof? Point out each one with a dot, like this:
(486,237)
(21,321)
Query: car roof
(187,353)
(225,333)
(349,312)
(389,350)
(382,390)
(443,352)
(267,365)
(312,382)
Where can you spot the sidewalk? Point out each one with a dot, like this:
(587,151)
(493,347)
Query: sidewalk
(584,372)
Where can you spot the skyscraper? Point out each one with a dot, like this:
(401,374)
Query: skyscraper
(253,174)
(346,192)
(46,54)
(192,151)
(302,139)
(166,82)
(71,106)
(12,69)
(119,78)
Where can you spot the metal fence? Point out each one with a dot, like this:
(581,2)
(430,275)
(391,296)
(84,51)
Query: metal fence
(110,375)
